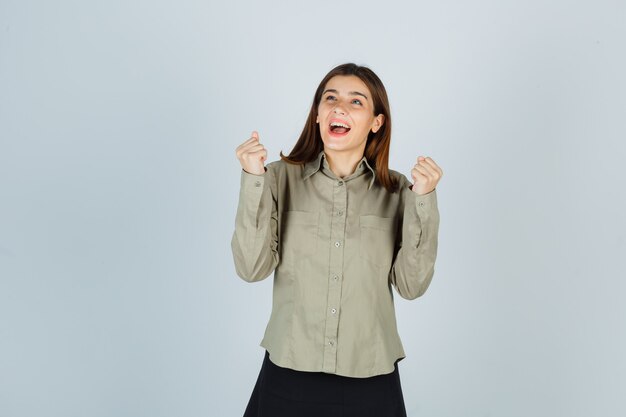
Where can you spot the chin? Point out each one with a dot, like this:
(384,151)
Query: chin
(334,145)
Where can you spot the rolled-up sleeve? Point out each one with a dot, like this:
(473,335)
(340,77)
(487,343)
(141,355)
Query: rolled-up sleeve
(414,264)
(255,240)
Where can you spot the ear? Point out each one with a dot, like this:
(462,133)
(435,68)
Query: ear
(378,122)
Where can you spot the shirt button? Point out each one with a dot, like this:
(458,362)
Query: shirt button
(339,213)
(340,183)
(421,204)
(333,311)
(257,184)
(330,342)
(335,277)
(337,244)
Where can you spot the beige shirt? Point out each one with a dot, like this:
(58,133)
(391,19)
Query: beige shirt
(336,246)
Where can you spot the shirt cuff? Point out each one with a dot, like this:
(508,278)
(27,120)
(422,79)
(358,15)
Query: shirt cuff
(252,182)
(426,203)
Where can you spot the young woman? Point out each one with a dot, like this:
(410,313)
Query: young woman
(338,228)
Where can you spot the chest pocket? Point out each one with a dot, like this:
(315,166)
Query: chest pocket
(300,232)
(377,239)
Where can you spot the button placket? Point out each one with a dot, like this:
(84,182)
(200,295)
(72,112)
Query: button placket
(337,239)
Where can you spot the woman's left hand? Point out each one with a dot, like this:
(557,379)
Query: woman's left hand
(426,174)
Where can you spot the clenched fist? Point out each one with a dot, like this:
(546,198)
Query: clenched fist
(426,174)
(252,155)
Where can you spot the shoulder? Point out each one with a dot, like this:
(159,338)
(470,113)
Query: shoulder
(282,173)
(403,181)
(276,166)
(280,168)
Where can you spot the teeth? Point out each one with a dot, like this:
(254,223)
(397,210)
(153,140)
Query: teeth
(340,124)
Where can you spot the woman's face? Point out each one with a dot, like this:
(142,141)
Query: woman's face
(347,100)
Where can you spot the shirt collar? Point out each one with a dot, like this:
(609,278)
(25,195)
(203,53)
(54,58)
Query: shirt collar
(312,167)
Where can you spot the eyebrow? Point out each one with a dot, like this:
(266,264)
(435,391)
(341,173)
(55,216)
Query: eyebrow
(354,93)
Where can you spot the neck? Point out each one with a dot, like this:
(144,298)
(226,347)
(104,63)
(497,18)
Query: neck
(343,164)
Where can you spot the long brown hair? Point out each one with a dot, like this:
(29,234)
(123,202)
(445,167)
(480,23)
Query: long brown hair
(310,144)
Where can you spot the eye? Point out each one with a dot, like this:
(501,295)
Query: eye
(358,101)
(329,97)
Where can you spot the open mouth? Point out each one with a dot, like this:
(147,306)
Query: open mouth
(338,128)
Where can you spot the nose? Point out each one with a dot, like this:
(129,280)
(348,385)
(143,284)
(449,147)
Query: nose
(339,110)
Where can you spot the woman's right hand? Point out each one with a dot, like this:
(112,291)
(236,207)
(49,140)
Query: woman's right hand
(252,155)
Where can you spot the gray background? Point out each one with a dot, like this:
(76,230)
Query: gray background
(119,184)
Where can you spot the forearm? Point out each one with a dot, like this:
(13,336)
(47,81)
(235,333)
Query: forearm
(254,243)
(413,268)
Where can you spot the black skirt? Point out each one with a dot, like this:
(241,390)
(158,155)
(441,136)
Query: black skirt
(284,392)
